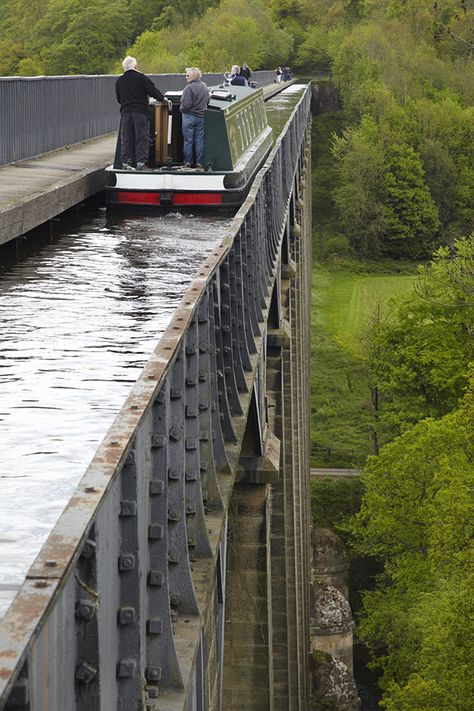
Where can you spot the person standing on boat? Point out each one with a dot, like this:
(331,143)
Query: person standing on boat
(245,72)
(194,101)
(133,90)
(237,79)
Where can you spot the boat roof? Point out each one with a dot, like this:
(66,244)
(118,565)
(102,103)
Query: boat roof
(221,95)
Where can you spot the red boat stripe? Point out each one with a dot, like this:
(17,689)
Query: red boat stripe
(138,197)
(197,199)
(143,198)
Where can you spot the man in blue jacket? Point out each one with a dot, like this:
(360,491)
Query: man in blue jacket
(194,101)
(133,90)
(237,79)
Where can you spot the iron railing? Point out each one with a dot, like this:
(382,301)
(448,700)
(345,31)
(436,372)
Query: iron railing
(41,114)
(124,602)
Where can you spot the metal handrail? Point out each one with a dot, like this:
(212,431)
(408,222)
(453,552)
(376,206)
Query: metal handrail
(42,114)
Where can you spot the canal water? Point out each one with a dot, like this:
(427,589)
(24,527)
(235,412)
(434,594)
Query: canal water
(83,303)
(79,316)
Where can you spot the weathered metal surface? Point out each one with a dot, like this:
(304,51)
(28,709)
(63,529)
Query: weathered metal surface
(124,603)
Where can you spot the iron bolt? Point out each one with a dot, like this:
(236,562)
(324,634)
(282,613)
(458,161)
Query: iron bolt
(85,673)
(85,609)
(174,599)
(126,668)
(155,625)
(175,434)
(156,578)
(126,615)
(126,562)
(155,532)
(153,674)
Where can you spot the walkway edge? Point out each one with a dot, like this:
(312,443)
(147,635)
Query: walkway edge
(34,191)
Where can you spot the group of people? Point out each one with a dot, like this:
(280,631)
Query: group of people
(282,74)
(133,90)
(240,76)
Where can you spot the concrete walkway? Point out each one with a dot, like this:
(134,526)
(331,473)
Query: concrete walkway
(34,191)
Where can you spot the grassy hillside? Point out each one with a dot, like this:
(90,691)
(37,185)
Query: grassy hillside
(341,412)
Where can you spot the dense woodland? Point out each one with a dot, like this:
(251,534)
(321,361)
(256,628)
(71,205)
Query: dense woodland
(400,187)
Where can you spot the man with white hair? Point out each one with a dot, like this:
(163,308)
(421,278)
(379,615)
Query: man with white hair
(194,101)
(237,79)
(133,90)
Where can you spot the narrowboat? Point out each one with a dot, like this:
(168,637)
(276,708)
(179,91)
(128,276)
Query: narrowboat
(237,140)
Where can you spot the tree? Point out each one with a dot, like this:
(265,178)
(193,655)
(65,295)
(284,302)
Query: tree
(443,131)
(157,54)
(412,216)
(360,168)
(417,517)
(234,32)
(91,40)
(11,53)
(445,679)
(382,198)
(313,52)
(418,359)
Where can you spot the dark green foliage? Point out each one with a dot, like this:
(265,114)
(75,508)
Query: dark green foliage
(412,217)
(79,37)
(334,498)
(417,516)
(418,360)
(323,176)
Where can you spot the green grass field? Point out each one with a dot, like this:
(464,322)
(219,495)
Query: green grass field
(349,300)
(340,401)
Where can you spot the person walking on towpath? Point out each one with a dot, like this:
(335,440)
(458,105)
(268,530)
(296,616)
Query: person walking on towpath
(133,90)
(194,101)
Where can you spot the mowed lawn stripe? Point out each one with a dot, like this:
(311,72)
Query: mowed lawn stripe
(341,413)
(351,299)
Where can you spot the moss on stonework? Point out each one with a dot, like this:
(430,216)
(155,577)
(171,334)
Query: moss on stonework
(333,685)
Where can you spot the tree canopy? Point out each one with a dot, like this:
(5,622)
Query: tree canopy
(418,357)
(417,507)
(417,517)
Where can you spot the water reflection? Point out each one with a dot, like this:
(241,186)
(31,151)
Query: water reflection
(79,315)
(279,108)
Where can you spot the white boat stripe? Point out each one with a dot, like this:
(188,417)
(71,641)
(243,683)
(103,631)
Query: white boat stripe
(168,181)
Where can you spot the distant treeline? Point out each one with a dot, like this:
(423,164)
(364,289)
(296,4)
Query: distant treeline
(92,36)
(402,181)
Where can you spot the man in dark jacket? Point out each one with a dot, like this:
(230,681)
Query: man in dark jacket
(132,90)
(245,72)
(194,101)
